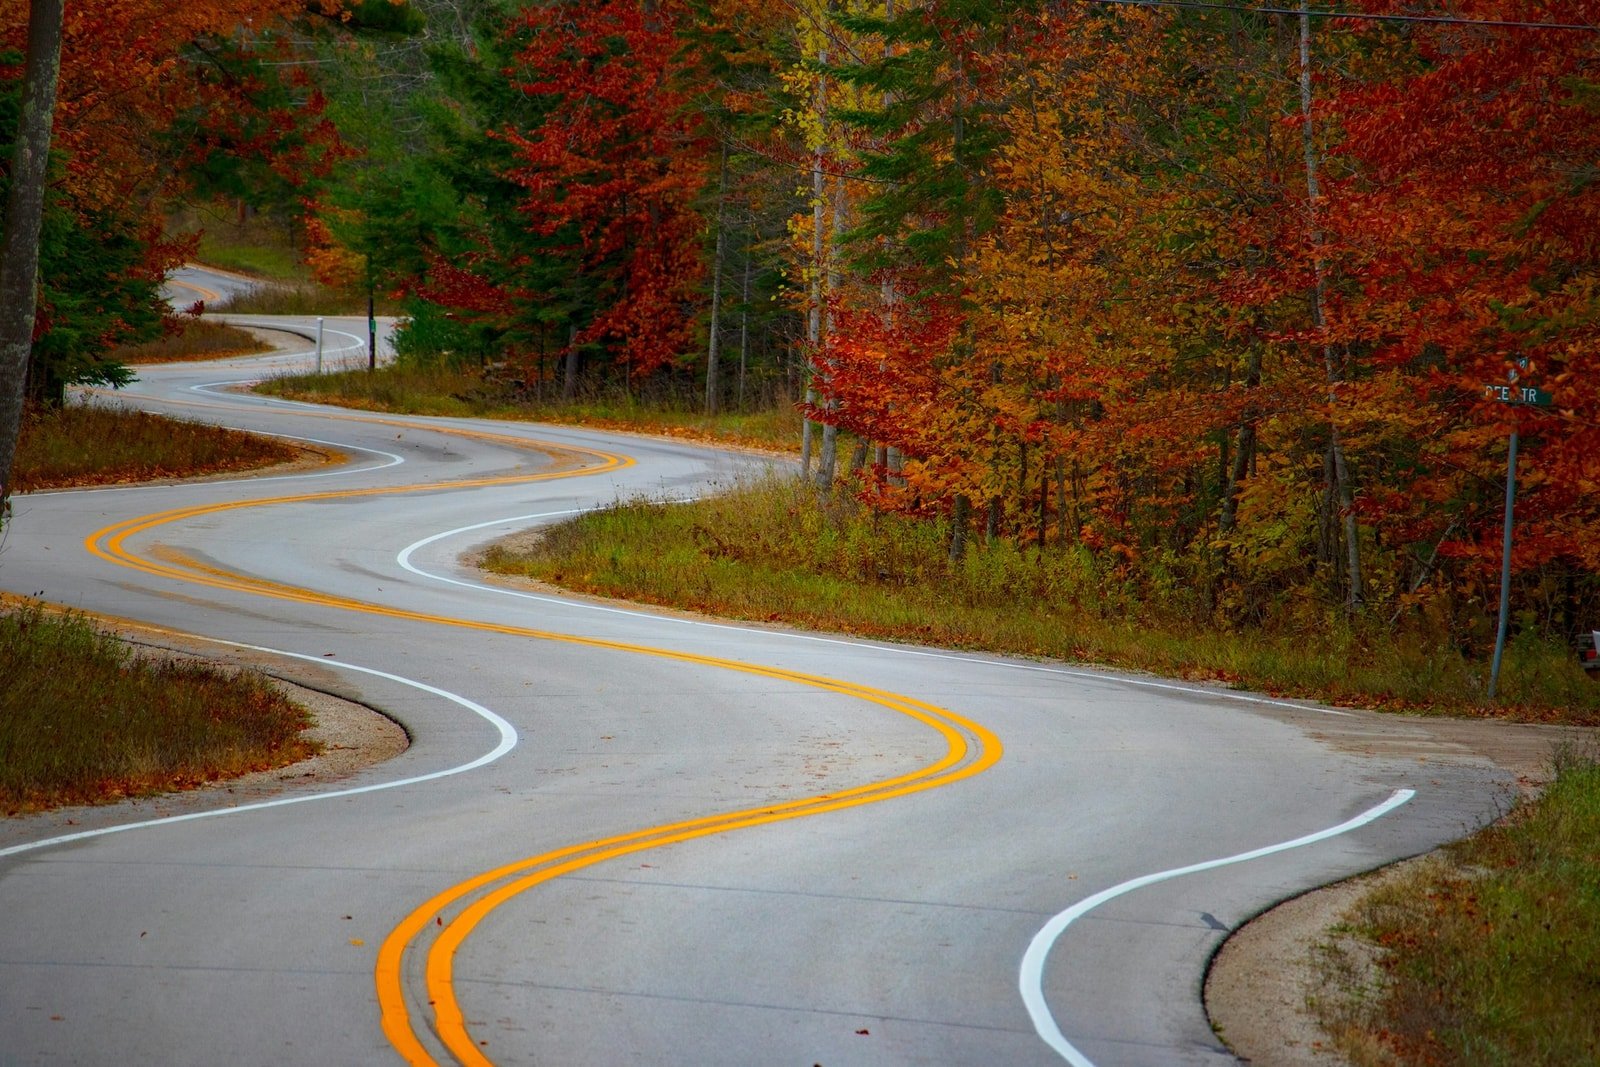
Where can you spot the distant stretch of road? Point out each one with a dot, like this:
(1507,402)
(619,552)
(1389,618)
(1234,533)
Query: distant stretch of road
(630,837)
(194,284)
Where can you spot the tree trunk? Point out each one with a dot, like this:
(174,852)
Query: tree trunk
(959,516)
(19,256)
(1243,452)
(814,316)
(569,386)
(1061,502)
(716,290)
(744,323)
(1339,468)
(828,461)
(1044,507)
(858,457)
(1244,448)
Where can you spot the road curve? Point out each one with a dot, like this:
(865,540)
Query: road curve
(623,837)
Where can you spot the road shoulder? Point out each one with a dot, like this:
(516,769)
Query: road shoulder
(1263,980)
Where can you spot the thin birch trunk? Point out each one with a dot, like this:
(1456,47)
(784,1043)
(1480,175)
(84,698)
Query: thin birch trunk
(713,349)
(1341,470)
(744,324)
(828,460)
(814,317)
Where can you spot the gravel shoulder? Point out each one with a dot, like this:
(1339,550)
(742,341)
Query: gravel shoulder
(1263,979)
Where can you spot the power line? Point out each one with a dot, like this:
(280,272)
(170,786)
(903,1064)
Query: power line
(1440,20)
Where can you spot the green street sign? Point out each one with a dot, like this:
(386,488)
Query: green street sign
(1518,394)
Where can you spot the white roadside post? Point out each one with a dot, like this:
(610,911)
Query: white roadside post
(319,346)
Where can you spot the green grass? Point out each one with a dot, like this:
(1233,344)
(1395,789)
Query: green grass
(277,264)
(266,247)
(96,444)
(1490,957)
(299,298)
(409,389)
(197,339)
(770,551)
(261,245)
(84,720)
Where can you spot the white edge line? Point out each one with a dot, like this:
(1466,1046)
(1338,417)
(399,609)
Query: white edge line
(508,741)
(1031,978)
(404,559)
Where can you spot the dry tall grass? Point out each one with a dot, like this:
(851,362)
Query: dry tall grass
(775,551)
(96,444)
(83,720)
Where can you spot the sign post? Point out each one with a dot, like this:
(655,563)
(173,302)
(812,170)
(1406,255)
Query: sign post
(1521,396)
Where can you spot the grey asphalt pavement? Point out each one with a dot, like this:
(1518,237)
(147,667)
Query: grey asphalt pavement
(886,925)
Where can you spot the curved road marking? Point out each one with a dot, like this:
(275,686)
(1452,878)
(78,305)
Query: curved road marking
(205,294)
(508,741)
(304,332)
(958,762)
(1031,980)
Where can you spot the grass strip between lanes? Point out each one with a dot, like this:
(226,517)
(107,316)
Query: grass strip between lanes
(100,444)
(195,339)
(416,390)
(84,720)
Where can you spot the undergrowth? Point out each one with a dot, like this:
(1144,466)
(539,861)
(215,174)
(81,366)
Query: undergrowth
(1489,956)
(411,388)
(93,444)
(770,551)
(83,720)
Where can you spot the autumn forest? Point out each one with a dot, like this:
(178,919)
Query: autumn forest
(1236,308)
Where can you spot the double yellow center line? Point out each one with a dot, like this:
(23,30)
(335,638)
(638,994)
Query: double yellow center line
(970,748)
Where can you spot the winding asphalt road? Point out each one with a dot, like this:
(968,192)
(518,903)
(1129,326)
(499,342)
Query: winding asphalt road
(622,837)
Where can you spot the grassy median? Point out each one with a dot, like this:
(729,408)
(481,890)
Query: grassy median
(196,339)
(102,444)
(84,720)
(437,390)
